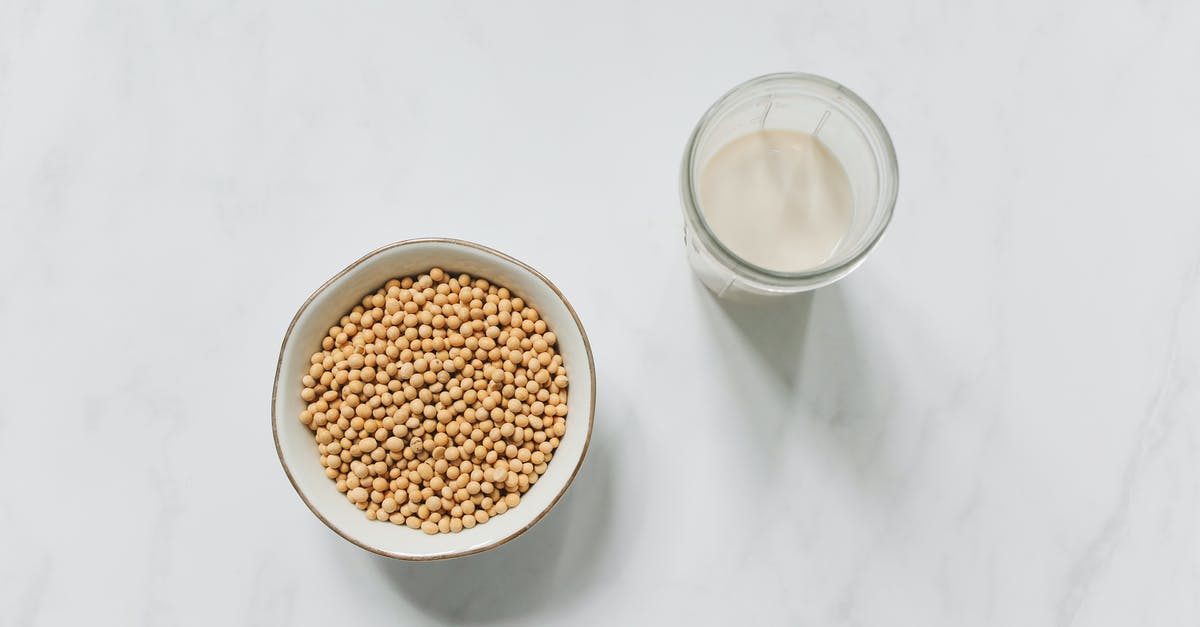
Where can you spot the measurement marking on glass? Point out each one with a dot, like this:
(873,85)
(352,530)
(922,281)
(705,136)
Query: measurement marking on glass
(762,123)
(820,124)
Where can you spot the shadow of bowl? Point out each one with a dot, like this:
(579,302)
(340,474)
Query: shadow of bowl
(566,550)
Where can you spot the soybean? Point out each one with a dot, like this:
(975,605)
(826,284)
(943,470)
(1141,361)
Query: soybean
(436,401)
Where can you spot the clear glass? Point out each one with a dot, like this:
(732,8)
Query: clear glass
(798,102)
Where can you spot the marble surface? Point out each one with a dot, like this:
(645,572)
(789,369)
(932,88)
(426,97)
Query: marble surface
(993,422)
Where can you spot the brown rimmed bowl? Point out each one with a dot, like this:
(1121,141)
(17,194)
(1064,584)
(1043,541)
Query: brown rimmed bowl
(298,451)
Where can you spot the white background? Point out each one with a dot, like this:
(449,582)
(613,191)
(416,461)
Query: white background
(993,422)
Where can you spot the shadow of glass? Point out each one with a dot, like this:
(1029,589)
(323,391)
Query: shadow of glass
(845,390)
(806,370)
(565,550)
(776,329)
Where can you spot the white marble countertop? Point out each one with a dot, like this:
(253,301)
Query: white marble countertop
(993,422)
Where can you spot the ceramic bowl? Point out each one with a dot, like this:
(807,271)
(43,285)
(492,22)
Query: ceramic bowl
(298,451)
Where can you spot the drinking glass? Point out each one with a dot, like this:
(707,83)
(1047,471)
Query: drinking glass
(840,120)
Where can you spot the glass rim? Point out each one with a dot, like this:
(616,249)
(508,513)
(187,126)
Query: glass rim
(888,171)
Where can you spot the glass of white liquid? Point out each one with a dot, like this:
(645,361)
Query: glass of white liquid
(788,182)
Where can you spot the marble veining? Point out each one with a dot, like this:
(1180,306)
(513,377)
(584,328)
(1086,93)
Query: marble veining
(992,422)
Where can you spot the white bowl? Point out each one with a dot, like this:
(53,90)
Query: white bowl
(298,451)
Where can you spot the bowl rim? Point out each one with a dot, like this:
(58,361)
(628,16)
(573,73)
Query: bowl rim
(279,371)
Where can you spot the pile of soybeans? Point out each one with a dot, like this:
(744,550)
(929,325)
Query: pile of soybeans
(437,401)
